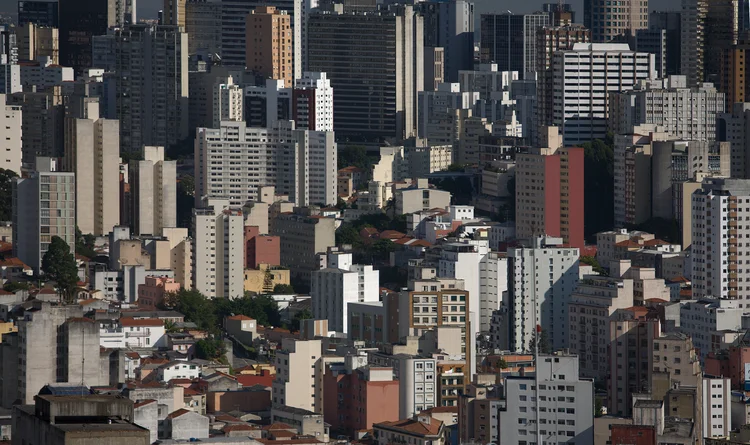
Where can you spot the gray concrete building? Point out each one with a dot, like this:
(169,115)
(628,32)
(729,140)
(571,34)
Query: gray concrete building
(450,25)
(153,192)
(304,236)
(358,52)
(509,40)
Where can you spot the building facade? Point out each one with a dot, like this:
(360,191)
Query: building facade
(510,40)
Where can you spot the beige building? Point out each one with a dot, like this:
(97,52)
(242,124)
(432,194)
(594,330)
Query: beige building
(265,278)
(38,41)
(606,243)
(11,145)
(293,387)
(92,152)
(269,44)
(153,192)
(420,197)
(180,255)
(304,235)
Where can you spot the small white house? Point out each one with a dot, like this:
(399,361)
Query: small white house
(178,370)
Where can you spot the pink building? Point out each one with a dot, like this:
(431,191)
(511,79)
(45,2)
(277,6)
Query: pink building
(151,293)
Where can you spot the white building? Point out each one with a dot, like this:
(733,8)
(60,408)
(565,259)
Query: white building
(228,102)
(686,113)
(312,106)
(339,284)
(218,250)
(178,370)
(544,277)
(10,78)
(300,163)
(153,192)
(719,207)
(11,151)
(435,107)
(292,387)
(702,319)
(43,207)
(129,332)
(486,79)
(565,413)
(717,406)
(417,377)
(584,78)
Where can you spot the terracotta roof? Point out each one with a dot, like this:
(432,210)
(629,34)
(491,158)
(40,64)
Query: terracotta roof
(191,392)
(5,292)
(283,433)
(13,262)
(628,243)
(287,442)
(6,246)
(679,279)
(655,242)
(240,317)
(143,403)
(180,381)
(133,355)
(47,291)
(442,409)
(278,426)
(88,301)
(130,321)
(178,413)
(656,300)
(391,234)
(227,418)
(239,427)
(413,427)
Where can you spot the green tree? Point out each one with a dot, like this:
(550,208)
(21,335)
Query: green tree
(298,317)
(502,364)
(591,261)
(6,194)
(355,155)
(196,308)
(85,244)
(382,248)
(347,234)
(210,348)
(598,174)
(283,289)
(170,327)
(59,265)
(545,347)
(185,200)
(13,286)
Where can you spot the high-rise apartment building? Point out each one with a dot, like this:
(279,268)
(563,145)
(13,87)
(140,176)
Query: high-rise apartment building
(227,102)
(693,38)
(153,192)
(341,282)
(734,127)
(11,145)
(609,22)
(300,163)
(541,280)
(295,383)
(560,14)
(450,25)
(173,13)
(92,152)
(151,62)
(269,44)
(684,113)
(312,102)
(435,107)
(549,192)
(357,52)
(40,13)
(662,38)
(80,21)
(36,41)
(549,40)
(43,207)
(43,115)
(580,108)
(510,40)
(203,26)
(218,252)
(304,236)
(719,207)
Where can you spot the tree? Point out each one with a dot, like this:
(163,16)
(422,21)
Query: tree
(591,261)
(85,244)
(170,327)
(356,156)
(544,345)
(59,265)
(382,248)
(196,308)
(598,176)
(185,200)
(6,194)
(502,364)
(13,286)
(210,348)
(298,317)
(283,289)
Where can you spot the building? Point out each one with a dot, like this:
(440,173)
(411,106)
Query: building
(43,127)
(549,294)
(418,380)
(152,292)
(92,152)
(312,102)
(549,40)
(300,163)
(703,321)
(203,26)
(100,418)
(560,14)
(450,26)
(269,44)
(437,106)
(40,13)
(716,210)
(631,336)
(717,407)
(260,249)
(174,12)
(357,51)
(664,30)
(39,214)
(341,282)
(685,113)
(43,74)
(304,235)
(510,40)
(155,112)
(36,41)
(421,430)
(420,197)
(11,145)
(358,395)
(732,127)
(79,22)
(292,388)
(573,418)
(693,38)
(153,192)
(582,112)
(608,23)
(227,102)
(218,251)
(10,78)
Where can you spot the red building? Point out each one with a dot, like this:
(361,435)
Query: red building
(359,397)
(261,249)
(633,435)
(730,364)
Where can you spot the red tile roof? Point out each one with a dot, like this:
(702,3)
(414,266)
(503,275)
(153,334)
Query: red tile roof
(239,427)
(413,427)
(13,262)
(144,403)
(178,413)
(130,321)
(278,426)
(240,317)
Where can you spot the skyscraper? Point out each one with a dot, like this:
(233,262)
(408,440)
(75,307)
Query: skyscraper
(153,192)
(510,40)
(11,145)
(269,44)
(619,21)
(40,13)
(203,26)
(358,52)
(450,25)
(174,13)
(152,80)
(692,38)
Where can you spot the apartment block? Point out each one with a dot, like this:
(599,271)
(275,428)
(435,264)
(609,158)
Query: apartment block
(92,152)
(608,23)
(312,102)
(436,106)
(218,252)
(733,127)
(269,43)
(174,12)
(417,378)
(203,26)
(692,39)
(43,123)
(549,193)
(43,207)
(153,192)
(295,383)
(304,235)
(450,26)
(703,321)
(582,112)
(11,145)
(717,407)
(36,41)
(510,40)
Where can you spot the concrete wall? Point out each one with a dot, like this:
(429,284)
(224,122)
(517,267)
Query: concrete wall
(189,426)
(147,416)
